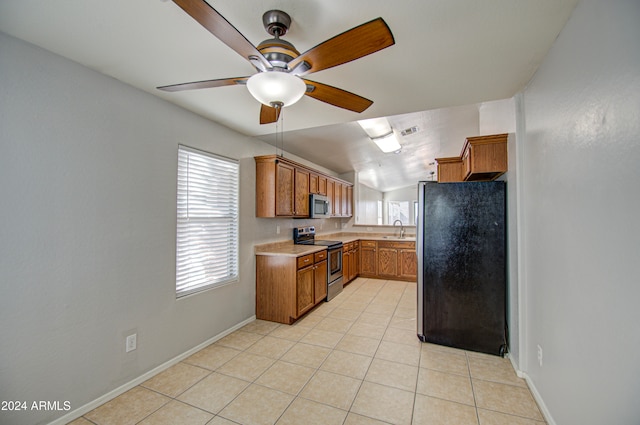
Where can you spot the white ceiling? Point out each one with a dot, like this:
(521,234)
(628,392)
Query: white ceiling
(447,53)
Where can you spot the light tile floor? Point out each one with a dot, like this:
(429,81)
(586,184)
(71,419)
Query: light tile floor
(353,361)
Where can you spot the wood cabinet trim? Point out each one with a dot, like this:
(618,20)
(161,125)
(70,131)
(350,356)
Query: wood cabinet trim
(271,158)
(280,194)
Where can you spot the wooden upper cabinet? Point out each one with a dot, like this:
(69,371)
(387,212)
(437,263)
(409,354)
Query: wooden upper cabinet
(322,185)
(283,187)
(349,201)
(450,169)
(331,185)
(344,209)
(301,193)
(313,183)
(337,199)
(485,157)
(317,184)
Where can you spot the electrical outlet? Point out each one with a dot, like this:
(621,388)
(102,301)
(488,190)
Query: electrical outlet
(131,343)
(540,355)
(277,230)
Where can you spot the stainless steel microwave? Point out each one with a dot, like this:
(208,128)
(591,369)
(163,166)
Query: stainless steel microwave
(319,206)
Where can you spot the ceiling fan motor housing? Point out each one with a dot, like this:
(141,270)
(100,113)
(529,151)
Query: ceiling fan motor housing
(276,22)
(278,52)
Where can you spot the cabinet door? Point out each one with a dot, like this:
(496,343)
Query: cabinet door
(346,266)
(313,183)
(337,199)
(349,201)
(408,263)
(304,290)
(368,260)
(466,162)
(387,262)
(355,263)
(343,209)
(320,281)
(301,208)
(322,185)
(284,189)
(330,189)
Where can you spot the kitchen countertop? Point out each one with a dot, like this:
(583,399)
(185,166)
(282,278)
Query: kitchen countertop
(289,249)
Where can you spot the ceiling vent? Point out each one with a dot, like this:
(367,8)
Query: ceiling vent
(408,131)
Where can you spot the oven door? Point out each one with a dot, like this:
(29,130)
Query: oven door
(335,264)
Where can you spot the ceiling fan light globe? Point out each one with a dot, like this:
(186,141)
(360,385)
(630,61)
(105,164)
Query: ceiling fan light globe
(276,87)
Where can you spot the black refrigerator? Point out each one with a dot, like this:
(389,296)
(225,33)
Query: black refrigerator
(462,275)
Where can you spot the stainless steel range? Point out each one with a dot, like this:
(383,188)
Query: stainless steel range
(307,236)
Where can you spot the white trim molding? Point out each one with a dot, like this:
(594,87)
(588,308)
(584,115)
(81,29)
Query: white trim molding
(75,414)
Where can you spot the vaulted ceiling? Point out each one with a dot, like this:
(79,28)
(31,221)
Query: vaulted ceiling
(451,53)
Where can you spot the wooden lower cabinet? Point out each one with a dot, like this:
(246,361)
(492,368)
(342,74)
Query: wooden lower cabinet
(388,260)
(287,287)
(368,259)
(408,260)
(305,299)
(320,279)
(350,261)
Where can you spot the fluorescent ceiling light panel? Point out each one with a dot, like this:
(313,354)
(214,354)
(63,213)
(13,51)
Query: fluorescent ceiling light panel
(379,130)
(387,143)
(375,127)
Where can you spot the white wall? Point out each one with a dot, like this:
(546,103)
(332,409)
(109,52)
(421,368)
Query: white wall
(499,117)
(366,205)
(87,231)
(581,229)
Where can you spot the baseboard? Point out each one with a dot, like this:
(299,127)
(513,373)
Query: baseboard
(536,395)
(75,414)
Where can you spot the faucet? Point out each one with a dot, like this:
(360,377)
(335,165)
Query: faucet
(401,228)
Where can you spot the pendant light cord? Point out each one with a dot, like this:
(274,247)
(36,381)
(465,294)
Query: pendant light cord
(280,121)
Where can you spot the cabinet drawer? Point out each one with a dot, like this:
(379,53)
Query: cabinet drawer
(368,244)
(319,256)
(305,260)
(397,245)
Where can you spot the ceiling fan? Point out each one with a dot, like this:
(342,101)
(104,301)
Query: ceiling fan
(280,66)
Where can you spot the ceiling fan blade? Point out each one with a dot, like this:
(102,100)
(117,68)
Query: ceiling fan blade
(350,45)
(337,97)
(217,25)
(268,114)
(206,84)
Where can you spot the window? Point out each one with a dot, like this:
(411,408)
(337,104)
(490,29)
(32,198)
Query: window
(398,210)
(207,228)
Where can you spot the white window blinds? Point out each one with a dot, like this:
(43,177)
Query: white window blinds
(207,228)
